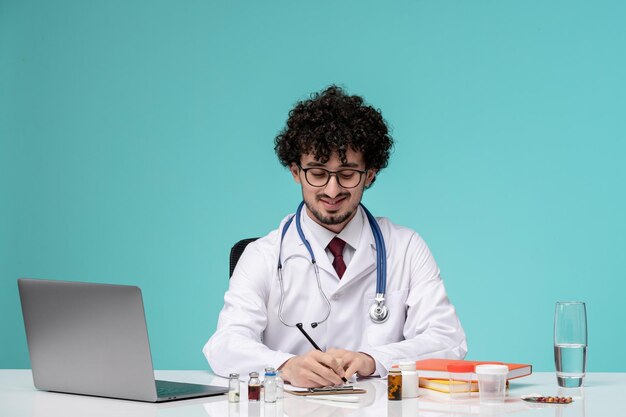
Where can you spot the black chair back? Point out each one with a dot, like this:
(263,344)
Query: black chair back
(236,251)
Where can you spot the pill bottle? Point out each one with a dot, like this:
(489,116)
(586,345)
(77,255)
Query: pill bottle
(410,381)
(394,384)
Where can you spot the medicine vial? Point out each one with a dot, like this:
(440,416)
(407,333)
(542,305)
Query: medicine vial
(269,385)
(410,381)
(254,387)
(233,388)
(394,384)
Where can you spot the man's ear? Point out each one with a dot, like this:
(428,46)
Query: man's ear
(369,176)
(295,171)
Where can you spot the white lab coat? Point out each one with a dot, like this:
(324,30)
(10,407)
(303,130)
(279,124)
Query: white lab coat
(422,323)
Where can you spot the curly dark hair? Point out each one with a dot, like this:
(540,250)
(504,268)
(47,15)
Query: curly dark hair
(332,121)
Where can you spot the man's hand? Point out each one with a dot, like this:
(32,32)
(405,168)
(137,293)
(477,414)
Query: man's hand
(354,362)
(313,369)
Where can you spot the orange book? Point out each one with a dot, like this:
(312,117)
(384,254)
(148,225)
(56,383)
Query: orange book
(438,368)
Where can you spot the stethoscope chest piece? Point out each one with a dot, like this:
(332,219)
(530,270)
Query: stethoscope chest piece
(379,313)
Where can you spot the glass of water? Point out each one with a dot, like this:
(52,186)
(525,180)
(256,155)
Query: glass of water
(570,343)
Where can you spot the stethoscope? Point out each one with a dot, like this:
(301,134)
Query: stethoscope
(379,313)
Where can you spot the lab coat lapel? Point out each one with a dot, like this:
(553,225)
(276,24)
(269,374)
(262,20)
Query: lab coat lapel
(292,245)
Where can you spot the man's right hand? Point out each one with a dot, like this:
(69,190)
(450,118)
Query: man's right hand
(313,369)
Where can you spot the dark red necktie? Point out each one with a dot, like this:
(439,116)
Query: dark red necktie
(336,248)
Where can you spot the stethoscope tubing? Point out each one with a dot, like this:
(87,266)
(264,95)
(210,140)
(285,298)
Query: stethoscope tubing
(381,268)
(381,253)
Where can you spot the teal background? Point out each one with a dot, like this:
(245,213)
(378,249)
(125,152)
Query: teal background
(136,145)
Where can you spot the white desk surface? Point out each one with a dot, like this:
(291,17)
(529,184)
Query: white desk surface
(603,394)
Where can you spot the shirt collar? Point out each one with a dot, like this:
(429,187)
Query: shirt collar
(351,233)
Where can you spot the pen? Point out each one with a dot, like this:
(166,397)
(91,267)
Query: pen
(299,326)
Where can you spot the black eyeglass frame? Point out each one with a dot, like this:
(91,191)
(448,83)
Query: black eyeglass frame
(330,174)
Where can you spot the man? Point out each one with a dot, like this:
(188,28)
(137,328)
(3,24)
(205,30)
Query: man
(334,146)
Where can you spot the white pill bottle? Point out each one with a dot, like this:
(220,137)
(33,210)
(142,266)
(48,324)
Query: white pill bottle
(410,380)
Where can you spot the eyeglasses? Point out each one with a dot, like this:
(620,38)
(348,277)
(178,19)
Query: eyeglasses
(319,177)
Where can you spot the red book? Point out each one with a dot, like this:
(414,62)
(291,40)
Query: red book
(438,368)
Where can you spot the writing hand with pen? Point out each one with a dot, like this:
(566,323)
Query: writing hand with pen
(320,369)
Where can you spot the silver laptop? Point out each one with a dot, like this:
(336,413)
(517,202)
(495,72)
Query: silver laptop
(91,339)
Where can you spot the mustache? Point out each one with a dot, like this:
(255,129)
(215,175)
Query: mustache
(337,197)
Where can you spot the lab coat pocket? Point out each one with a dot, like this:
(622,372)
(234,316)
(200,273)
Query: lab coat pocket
(392,330)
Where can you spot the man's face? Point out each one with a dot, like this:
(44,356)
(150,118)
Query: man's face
(332,205)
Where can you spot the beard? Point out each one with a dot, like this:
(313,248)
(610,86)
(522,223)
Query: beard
(330,220)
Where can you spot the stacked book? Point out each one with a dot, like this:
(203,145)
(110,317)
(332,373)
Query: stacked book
(434,374)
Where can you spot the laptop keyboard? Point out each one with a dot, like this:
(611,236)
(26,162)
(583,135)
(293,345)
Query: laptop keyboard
(174,389)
